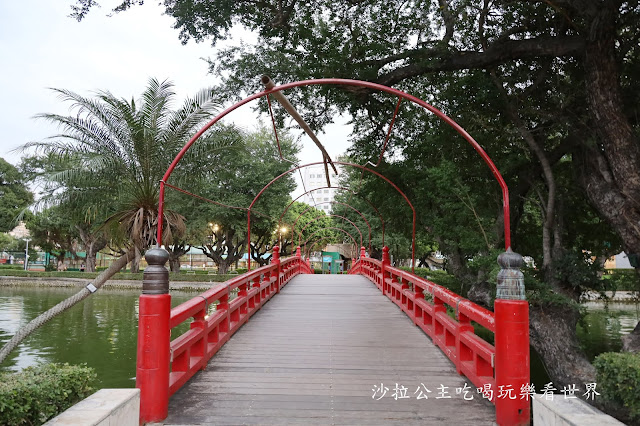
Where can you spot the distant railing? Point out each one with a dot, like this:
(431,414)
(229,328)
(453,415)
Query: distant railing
(164,365)
(498,371)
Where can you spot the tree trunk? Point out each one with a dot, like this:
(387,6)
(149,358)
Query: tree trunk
(60,260)
(611,177)
(92,249)
(93,242)
(135,262)
(174,262)
(61,307)
(553,335)
(90,262)
(223,266)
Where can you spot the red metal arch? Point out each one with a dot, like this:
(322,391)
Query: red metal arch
(341,188)
(330,215)
(355,243)
(357,83)
(336,202)
(413,210)
(315,241)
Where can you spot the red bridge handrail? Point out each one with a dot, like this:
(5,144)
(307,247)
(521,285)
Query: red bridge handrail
(472,356)
(212,328)
(501,370)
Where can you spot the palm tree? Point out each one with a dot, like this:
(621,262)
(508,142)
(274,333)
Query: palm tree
(116,151)
(122,149)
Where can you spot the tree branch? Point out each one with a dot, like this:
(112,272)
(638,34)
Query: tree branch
(432,60)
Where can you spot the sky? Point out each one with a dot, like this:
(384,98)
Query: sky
(41,47)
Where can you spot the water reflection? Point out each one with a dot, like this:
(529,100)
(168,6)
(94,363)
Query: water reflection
(602,327)
(100,331)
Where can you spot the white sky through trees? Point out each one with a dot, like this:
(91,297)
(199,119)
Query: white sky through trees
(41,47)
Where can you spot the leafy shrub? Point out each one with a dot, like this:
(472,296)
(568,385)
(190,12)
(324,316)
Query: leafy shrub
(618,378)
(241,270)
(39,393)
(578,271)
(622,280)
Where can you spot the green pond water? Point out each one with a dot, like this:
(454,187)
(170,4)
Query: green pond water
(102,331)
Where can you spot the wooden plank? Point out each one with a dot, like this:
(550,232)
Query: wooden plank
(316,353)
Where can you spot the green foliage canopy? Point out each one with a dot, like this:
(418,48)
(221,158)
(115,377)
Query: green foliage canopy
(15,196)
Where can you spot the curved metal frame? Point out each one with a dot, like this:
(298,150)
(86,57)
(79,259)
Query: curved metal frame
(330,215)
(342,163)
(346,82)
(355,243)
(341,188)
(341,203)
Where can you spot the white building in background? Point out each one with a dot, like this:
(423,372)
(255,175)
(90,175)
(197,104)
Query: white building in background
(314,179)
(21,232)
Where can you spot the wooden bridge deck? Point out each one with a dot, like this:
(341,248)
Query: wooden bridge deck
(314,355)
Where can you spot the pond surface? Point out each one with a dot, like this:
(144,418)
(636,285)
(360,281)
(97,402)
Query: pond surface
(102,331)
(604,324)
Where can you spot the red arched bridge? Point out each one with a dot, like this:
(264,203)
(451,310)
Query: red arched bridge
(331,349)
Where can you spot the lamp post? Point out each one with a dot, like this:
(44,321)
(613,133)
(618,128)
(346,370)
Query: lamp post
(214,228)
(26,255)
(282,230)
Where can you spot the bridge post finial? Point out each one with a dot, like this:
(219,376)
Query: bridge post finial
(510,277)
(155,278)
(511,312)
(363,252)
(385,256)
(298,252)
(152,364)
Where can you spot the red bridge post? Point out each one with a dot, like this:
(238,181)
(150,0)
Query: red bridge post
(275,259)
(152,364)
(386,261)
(512,343)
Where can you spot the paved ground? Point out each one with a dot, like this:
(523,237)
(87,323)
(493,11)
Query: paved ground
(329,349)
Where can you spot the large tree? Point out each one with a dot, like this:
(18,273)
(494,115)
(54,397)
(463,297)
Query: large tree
(116,150)
(580,53)
(590,46)
(14,194)
(547,87)
(306,224)
(54,232)
(234,181)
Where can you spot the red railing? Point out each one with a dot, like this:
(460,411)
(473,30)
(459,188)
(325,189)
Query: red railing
(214,317)
(500,371)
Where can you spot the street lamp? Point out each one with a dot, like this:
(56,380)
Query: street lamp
(282,230)
(26,255)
